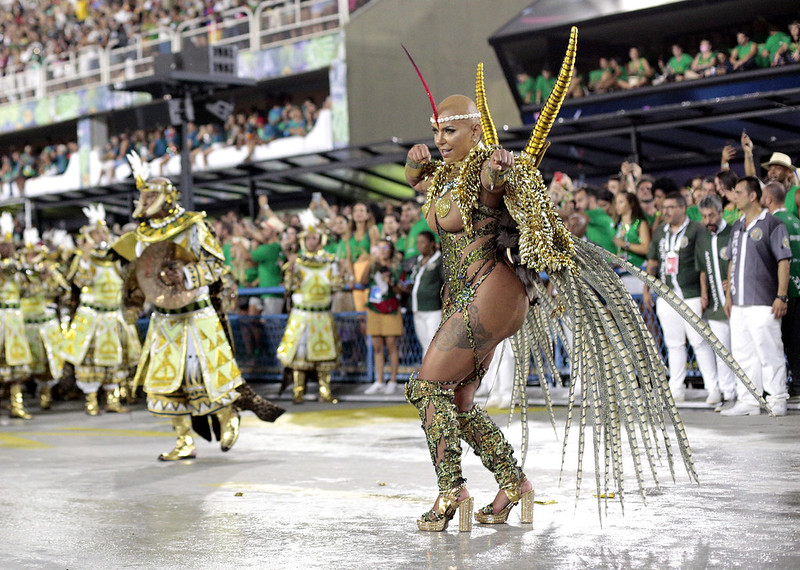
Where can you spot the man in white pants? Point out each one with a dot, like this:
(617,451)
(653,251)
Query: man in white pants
(757,299)
(672,259)
(712,257)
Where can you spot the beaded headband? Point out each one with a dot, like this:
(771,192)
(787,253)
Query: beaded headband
(456,117)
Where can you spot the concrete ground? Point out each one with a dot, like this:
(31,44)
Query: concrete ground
(341,486)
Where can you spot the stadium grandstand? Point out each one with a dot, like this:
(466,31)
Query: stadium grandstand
(68,109)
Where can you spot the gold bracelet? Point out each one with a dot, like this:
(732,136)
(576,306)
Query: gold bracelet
(414,165)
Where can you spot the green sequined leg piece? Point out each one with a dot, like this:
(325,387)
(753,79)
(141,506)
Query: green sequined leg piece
(489,443)
(437,410)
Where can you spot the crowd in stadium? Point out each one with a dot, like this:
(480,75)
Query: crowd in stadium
(769,47)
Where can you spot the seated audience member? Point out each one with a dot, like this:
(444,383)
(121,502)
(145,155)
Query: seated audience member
(526,87)
(743,55)
(790,51)
(677,66)
(770,53)
(639,71)
(596,77)
(724,65)
(544,85)
(704,63)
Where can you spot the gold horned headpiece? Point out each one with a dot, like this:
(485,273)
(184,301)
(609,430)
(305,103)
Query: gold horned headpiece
(168,194)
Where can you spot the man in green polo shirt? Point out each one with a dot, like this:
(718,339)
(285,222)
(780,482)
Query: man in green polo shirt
(672,259)
(600,227)
(773,198)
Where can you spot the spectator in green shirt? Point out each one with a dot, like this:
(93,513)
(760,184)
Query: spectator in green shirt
(704,63)
(596,76)
(544,85)
(771,54)
(267,256)
(600,227)
(743,56)
(411,223)
(677,66)
(526,87)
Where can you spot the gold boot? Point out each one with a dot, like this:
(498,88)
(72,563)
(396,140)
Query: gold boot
(45,397)
(184,445)
(113,403)
(229,427)
(299,378)
(325,388)
(17,406)
(92,407)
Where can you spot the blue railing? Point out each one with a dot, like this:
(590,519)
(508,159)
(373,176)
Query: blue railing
(256,339)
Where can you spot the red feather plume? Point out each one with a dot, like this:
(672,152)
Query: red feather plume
(425,85)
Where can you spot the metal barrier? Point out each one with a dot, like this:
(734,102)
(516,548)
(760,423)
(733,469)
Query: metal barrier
(256,339)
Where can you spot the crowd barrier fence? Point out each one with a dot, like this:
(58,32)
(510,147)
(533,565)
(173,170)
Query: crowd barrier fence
(256,339)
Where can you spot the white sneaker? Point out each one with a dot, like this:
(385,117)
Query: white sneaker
(778,407)
(742,409)
(714,397)
(390,388)
(375,388)
(679,398)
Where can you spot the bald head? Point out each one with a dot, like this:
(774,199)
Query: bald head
(457,105)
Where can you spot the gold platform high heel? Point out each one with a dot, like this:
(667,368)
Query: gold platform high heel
(487,515)
(433,521)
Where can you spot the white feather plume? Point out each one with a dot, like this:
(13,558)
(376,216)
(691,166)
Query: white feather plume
(308,220)
(96,213)
(6,224)
(30,237)
(140,168)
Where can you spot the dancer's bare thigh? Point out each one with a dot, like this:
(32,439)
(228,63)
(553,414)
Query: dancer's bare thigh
(497,312)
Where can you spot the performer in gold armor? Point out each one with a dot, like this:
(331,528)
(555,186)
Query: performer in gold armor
(99,343)
(187,364)
(46,283)
(499,232)
(15,352)
(310,340)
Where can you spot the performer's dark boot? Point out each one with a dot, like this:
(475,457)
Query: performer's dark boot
(325,394)
(16,402)
(437,411)
(299,390)
(497,455)
(184,444)
(229,427)
(114,403)
(251,401)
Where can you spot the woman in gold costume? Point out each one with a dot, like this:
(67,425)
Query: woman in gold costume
(485,303)
(499,231)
